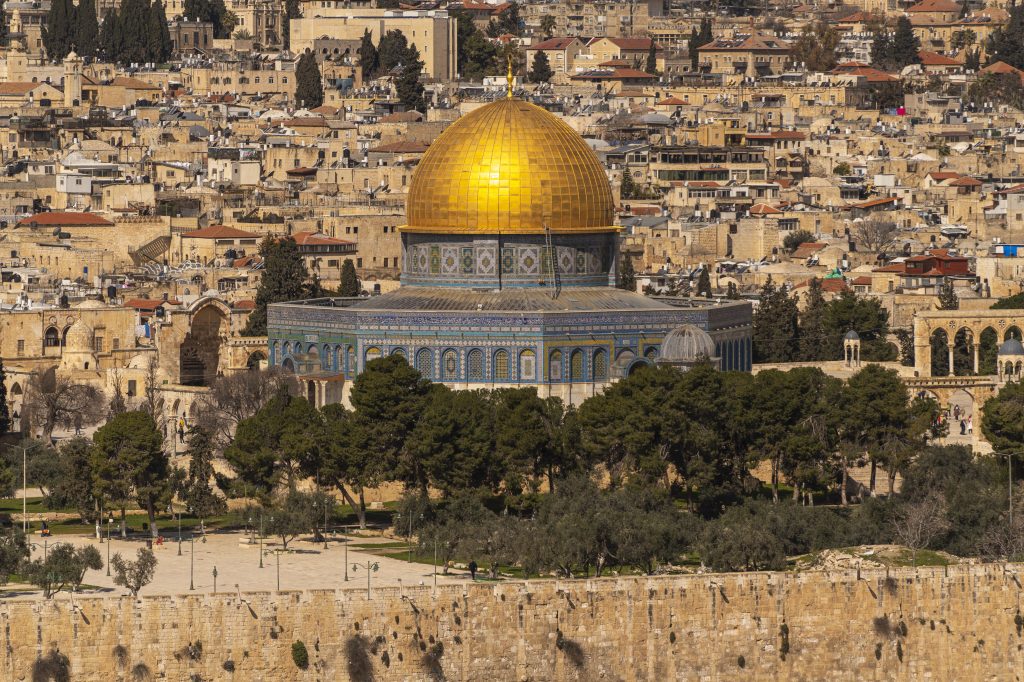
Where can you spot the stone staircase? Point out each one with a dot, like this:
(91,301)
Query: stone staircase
(150,251)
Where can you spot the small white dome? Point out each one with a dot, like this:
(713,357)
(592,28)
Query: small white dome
(687,343)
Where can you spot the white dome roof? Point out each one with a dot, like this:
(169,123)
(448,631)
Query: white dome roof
(687,343)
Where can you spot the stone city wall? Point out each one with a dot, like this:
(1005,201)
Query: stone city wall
(964,624)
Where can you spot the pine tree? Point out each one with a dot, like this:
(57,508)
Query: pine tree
(159,36)
(541,71)
(284,279)
(704,283)
(87,29)
(905,44)
(948,300)
(309,88)
(368,60)
(408,85)
(5,415)
(812,323)
(349,280)
(652,59)
(627,275)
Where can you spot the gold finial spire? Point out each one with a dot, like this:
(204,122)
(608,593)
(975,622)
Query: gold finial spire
(511,78)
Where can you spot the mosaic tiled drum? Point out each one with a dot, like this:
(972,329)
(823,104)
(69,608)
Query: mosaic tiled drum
(509,265)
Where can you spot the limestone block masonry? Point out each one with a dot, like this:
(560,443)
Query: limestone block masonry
(931,624)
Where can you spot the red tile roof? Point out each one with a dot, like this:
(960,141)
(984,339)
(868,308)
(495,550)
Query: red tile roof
(64,219)
(630,43)
(862,280)
(553,44)
(764,209)
(133,83)
(935,59)
(871,203)
(17,88)
(808,249)
(670,102)
(778,135)
(220,232)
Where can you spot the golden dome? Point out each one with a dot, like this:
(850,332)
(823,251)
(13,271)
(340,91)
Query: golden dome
(509,167)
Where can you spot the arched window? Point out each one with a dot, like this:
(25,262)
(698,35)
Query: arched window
(528,365)
(555,366)
(600,368)
(51,339)
(326,359)
(400,352)
(475,365)
(351,355)
(372,353)
(501,366)
(425,362)
(450,366)
(576,365)
(651,353)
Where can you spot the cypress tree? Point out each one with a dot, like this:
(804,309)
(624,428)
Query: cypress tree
(159,36)
(704,283)
(309,88)
(652,59)
(58,33)
(133,26)
(881,50)
(408,85)
(291,11)
(948,300)
(775,325)
(1006,44)
(905,45)
(3,27)
(392,50)
(627,190)
(541,71)
(349,280)
(110,36)
(87,29)
(284,279)
(368,59)
(812,324)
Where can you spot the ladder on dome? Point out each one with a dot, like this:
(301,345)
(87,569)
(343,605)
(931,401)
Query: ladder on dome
(550,262)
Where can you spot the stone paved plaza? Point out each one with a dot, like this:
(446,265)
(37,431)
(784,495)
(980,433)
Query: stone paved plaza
(306,565)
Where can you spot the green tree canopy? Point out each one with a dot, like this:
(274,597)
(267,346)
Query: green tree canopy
(775,325)
(128,464)
(285,278)
(541,70)
(278,444)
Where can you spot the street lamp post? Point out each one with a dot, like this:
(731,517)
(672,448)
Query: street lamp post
(179,532)
(346,558)
(24,489)
(277,554)
(215,580)
(1009,478)
(110,524)
(370,568)
(192,565)
(261,538)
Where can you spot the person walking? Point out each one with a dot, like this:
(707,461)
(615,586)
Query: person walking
(963,427)
(970,423)
(472,569)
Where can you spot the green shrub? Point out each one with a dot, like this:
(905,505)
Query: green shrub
(300,657)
